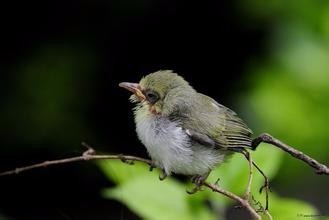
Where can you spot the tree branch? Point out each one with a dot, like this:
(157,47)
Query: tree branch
(90,155)
(87,155)
(266,138)
(244,202)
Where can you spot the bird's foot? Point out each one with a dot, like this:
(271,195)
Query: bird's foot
(162,175)
(198,180)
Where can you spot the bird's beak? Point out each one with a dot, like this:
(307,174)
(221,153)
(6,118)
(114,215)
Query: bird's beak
(134,88)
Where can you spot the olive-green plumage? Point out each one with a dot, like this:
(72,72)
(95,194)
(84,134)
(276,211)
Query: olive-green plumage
(184,131)
(196,111)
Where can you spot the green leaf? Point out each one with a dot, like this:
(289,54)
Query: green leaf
(287,208)
(234,174)
(144,194)
(268,159)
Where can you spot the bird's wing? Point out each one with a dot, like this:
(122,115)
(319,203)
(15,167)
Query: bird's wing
(202,139)
(210,123)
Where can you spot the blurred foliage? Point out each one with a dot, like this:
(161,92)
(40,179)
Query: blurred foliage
(46,96)
(308,14)
(2,217)
(288,97)
(290,88)
(137,190)
(141,191)
(234,173)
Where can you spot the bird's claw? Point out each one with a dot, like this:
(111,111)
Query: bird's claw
(163,175)
(198,180)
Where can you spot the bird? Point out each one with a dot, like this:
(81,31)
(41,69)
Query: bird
(184,131)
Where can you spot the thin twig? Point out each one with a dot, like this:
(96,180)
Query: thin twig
(266,185)
(243,202)
(261,208)
(266,138)
(84,157)
(250,162)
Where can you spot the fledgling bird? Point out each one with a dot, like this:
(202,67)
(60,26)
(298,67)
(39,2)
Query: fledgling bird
(184,132)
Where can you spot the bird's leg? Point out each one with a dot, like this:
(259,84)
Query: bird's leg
(198,180)
(163,175)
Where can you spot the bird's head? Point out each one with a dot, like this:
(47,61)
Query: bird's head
(163,92)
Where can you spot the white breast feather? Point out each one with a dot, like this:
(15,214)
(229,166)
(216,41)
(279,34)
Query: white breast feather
(170,148)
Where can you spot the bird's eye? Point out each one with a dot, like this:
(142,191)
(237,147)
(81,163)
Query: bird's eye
(152,96)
